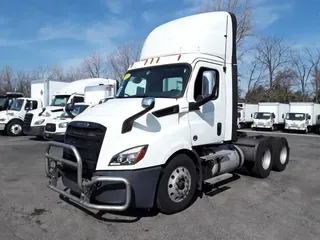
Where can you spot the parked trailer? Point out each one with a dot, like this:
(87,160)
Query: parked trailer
(271,115)
(303,116)
(246,113)
(171,127)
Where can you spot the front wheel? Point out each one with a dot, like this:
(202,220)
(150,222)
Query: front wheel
(177,186)
(14,128)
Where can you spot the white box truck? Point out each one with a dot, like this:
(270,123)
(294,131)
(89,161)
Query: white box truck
(11,120)
(270,115)
(45,89)
(35,121)
(303,116)
(56,127)
(170,129)
(245,114)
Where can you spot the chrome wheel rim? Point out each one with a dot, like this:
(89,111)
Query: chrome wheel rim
(266,159)
(15,129)
(283,155)
(179,184)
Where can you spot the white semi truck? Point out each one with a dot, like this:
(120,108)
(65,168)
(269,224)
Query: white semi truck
(56,127)
(46,89)
(303,116)
(171,127)
(246,113)
(271,115)
(11,120)
(35,121)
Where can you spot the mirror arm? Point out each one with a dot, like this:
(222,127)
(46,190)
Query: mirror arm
(128,123)
(195,105)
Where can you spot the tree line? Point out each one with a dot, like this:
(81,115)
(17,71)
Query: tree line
(270,68)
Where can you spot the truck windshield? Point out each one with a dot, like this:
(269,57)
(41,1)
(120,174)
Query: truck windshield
(60,100)
(16,104)
(295,116)
(77,110)
(2,101)
(262,115)
(161,81)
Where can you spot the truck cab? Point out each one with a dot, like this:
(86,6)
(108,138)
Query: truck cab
(35,121)
(171,127)
(298,121)
(11,120)
(263,120)
(96,94)
(6,99)
(56,127)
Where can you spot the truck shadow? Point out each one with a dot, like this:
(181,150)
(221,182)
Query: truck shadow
(219,187)
(135,214)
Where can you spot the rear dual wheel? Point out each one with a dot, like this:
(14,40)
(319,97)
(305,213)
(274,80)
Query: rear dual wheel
(280,153)
(263,163)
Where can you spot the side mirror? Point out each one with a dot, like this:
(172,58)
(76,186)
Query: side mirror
(148,102)
(27,106)
(273,115)
(309,117)
(70,107)
(282,115)
(208,83)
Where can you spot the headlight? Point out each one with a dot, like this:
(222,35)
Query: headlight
(2,119)
(129,157)
(63,125)
(39,122)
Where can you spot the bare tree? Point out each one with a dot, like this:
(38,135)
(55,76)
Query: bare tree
(94,65)
(304,63)
(244,12)
(256,75)
(23,82)
(316,83)
(273,54)
(72,74)
(120,60)
(42,72)
(7,78)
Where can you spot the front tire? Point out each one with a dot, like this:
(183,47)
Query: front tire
(177,186)
(14,128)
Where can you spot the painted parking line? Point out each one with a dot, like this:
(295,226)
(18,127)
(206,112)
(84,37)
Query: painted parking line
(281,133)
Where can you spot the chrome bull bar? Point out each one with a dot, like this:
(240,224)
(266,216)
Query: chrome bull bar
(52,173)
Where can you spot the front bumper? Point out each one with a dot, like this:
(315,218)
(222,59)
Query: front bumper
(2,126)
(58,137)
(106,190)
(295,128)
(262,126)
(34,131)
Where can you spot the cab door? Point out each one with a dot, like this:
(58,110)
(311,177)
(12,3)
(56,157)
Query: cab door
(207,122)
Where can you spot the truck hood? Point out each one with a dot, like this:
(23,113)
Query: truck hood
(120,109)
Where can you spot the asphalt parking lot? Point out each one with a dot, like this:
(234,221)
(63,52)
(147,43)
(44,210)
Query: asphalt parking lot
(284,206)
